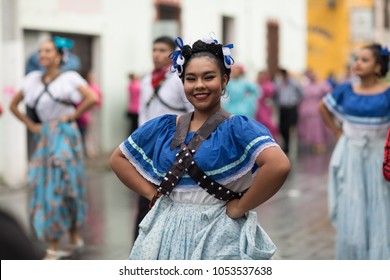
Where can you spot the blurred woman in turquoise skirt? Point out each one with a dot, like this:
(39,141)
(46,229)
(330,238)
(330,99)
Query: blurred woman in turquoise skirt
(56,171)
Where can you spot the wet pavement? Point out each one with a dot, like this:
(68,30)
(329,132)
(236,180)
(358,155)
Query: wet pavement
(295,218)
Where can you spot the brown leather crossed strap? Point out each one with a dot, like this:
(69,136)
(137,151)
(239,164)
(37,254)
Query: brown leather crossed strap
(185,161)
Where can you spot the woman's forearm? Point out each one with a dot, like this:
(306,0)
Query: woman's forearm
(14,108)
(129,176)
(273,171)
(328,119)
(90,99)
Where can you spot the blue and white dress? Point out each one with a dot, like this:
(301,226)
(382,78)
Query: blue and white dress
(190,223)
(359,196)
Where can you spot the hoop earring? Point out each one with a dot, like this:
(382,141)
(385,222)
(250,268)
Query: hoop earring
(224,93)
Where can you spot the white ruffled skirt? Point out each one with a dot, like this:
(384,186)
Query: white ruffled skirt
(359,200)
(182,231)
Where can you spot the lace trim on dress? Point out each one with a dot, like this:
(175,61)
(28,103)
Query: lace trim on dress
(138,166)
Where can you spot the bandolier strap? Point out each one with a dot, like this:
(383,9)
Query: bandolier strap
(185,158)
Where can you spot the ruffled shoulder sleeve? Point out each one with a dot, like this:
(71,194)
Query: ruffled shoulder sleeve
(73,81)
(150,142)
(249,133)
(31,86)
(334,100)
(251,137)
(233,148)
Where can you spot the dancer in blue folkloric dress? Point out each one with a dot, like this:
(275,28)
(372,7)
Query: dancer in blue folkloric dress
(196,167)
(359,196)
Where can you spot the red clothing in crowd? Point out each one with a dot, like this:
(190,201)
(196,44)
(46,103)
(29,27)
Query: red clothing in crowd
(84,120)
(134,96)
(386,160)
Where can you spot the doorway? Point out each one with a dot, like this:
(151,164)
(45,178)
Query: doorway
(272,47)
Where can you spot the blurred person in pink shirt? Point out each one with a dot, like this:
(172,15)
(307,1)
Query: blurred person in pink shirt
(264,113)
(133,101)
(86,119)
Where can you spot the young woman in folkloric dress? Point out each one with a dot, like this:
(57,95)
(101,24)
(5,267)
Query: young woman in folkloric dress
(56,171)
(359,196)
(194,221)
(312,131)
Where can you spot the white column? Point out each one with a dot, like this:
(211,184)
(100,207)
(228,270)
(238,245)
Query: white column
(1,97)
(13,132)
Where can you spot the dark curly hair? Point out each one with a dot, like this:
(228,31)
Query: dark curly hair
(381,59)
(200,49)
(165,40)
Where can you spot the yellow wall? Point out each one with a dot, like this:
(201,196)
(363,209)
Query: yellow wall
(328,37)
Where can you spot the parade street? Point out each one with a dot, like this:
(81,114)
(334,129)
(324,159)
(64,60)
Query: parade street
(296,218)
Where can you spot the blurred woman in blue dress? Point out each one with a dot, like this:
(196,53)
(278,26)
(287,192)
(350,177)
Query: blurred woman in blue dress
(359,197)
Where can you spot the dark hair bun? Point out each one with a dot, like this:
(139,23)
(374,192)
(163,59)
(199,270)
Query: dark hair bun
(380,57)
(186,52)
(209,48)
(200,46)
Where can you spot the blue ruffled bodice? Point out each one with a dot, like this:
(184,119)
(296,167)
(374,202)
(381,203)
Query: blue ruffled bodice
(229,153)
(359,109)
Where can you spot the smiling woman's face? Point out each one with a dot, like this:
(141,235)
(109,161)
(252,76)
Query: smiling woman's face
(48,55)
(203,84)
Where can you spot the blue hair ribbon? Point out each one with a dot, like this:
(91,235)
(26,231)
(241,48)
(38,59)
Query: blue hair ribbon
(63,43)
(179,60)
(228,60)
(176,56)
(385,51)
(209,39)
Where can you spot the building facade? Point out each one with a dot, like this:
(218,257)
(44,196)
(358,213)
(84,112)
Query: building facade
(382,21)
(336,28)
(114,37)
